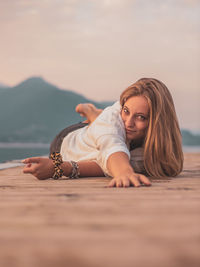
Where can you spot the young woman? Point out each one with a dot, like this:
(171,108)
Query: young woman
(144,117)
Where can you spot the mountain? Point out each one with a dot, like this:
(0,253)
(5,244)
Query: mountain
(2,85)
(35,111)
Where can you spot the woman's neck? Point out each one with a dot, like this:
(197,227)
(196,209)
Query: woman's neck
(136,143)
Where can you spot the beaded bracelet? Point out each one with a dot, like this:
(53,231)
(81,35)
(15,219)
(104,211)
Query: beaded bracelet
(75,170)
(57,160)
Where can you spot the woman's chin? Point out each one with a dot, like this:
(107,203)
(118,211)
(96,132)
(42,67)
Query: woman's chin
(131,136)
(135,137)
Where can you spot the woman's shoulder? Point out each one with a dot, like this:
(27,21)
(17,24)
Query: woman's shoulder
(108,122)
(115,106)
(111,112)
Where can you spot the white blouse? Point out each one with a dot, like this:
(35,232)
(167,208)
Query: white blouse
(97,141)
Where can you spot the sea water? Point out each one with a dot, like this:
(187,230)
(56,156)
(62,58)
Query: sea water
(18,151)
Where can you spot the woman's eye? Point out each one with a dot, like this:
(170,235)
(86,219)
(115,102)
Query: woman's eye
(140,117)
(125,110)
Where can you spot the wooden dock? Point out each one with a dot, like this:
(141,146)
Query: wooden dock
(83,223)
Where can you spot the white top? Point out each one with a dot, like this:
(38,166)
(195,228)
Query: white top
(97,141)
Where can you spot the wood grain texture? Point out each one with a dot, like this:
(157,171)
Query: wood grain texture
(84,223)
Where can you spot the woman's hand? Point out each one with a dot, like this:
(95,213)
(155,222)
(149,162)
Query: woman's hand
(133,179)
(41,168)
(124,176)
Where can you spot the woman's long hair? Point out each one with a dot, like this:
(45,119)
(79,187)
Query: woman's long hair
(163,154)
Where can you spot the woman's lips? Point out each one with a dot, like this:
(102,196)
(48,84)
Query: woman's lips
(130,131)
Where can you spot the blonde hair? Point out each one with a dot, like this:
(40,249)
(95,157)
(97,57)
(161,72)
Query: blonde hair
(163,154)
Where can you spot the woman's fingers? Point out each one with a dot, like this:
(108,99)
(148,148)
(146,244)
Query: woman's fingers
(112,183)
(135,180)
(31,160)
(119,183)
(28,169)
(31,168)
(144,180)
(126,183)
(138,179)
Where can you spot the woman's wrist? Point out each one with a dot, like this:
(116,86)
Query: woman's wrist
(67,168)
(57,161)
(124,172)
(84,169)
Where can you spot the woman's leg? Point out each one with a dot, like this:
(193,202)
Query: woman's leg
(89,111)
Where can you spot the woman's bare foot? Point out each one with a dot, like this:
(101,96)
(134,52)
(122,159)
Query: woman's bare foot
(88,111)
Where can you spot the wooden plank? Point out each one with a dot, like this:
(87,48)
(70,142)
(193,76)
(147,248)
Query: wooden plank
(84,223)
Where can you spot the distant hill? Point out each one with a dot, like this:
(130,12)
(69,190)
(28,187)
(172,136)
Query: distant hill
(190,139)
(2,85)
(35,111)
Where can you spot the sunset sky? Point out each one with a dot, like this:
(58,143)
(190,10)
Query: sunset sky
(99,47)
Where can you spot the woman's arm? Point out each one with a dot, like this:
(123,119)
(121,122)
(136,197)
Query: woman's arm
(43,168)
(119,166)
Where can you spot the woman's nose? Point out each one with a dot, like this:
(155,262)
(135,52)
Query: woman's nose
(130,122)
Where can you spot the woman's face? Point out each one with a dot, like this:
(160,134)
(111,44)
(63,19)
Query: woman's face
(135,115)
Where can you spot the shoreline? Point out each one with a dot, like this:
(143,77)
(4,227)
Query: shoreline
(14,163)
(17,162)
(8,165)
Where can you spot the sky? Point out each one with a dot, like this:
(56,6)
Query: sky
(99,47)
